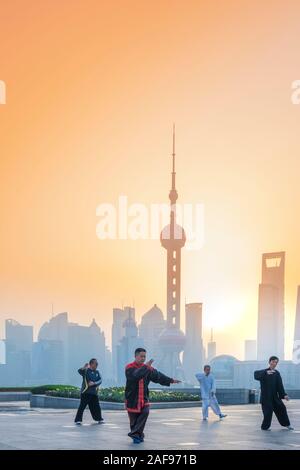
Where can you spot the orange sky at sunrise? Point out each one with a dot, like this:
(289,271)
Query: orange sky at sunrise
(93,88)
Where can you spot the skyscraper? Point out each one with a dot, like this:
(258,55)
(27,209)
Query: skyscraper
(192,356)
(57,329)
(85,342)
(173,239)
(128,344)
(151,327)
(296,346)
(250,350)
(75,344)
(117,333)
(211,347)
(18,345)
(47,364)
(270,326)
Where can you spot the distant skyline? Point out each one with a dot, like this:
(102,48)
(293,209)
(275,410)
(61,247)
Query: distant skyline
(100,126)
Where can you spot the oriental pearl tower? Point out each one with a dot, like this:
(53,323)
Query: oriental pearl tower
(172,238)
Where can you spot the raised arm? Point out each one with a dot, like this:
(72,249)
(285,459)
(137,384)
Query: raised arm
(199,376)
(137,373)
(259,374)
(83,369)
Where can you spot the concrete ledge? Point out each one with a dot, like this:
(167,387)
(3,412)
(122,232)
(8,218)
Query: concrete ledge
(233,396)
(15,396)
(293,394)
(44,401)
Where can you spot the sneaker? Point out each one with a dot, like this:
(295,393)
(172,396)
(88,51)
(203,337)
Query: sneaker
(141,439)
(78,423)
(136,440)
(290,428)
(222,416)
(100,421)
(269,429)
(204,419)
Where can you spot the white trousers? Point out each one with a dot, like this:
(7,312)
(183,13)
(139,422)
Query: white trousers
(213,403)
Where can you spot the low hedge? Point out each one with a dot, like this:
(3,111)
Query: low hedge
(44,389)
(117,394)
(112,394)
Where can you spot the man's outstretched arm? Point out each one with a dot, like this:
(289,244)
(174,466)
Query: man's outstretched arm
(259,374)
(162,379)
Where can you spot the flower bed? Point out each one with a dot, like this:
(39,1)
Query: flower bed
(116,394)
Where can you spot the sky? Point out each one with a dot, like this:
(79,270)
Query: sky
(93,89)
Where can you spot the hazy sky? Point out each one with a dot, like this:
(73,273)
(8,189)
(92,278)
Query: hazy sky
(93,88)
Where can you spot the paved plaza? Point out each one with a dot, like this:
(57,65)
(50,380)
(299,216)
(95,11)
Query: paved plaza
(169,429)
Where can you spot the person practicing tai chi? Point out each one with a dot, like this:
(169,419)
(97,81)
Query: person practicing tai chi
(138,376)
(91,379)
(208,393)
(272,393)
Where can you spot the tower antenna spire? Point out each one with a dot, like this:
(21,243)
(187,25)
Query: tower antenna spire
(173,158)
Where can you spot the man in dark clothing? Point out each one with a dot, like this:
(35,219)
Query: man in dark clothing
(91,379)
(272,393)
(138,376)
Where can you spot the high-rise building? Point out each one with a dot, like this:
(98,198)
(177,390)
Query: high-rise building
(192,355)
(270,326)
(57,329)
(18,346)
(250,350)
(118,332)
(76,344)
(296,346)
(152,325)
(172,339)
(126,347)
(85,343)
(47,364)
(211,347)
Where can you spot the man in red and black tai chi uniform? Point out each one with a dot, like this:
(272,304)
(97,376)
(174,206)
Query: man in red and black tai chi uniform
(138,376)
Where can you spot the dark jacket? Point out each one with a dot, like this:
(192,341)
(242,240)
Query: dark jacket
(138,377)
(89,375)
(271,386)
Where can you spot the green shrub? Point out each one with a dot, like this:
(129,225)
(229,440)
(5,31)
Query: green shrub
(117,394)
(43,389)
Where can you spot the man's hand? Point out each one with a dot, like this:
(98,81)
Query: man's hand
(91,383)
(286,397)
(149,363)
(176,381)
(270,372)
(86,365)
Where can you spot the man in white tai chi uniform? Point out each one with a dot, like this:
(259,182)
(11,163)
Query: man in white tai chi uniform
(208,393)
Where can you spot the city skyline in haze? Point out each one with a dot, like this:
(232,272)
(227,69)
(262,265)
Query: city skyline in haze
(100,127)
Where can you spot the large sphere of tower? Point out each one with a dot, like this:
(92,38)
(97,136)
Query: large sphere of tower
(173,240)
(172,340)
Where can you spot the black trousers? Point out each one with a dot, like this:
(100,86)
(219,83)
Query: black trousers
(279,410)
(94,406)
(137,422)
